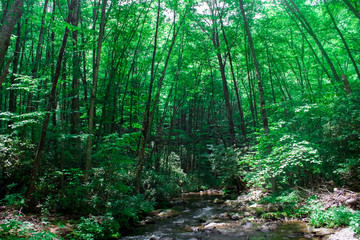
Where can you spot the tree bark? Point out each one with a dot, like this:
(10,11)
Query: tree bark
(257,69)
(352,8)
(8,26)
(12,100)
(238,97)
(149,113)
(93,91)
(295,10)
(216,43)
(41,144)
(343,40)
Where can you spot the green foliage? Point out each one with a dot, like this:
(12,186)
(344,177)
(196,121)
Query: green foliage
(14,166)
(15,200)
(224,165)
(16,229)
(332,217)
(355,222)
(283,157)
(274,215)
(96,228)
(291,197)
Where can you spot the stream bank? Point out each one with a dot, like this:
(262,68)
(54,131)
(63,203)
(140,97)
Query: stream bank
(211,215)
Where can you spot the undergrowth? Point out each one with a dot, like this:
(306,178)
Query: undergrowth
(294,204)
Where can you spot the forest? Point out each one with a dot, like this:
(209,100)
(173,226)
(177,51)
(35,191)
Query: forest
(109,109)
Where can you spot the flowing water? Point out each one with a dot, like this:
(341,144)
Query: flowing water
(198,208)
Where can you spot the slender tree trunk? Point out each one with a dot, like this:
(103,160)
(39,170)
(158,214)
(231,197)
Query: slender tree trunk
(257,69)
(12,100)
(216,43)
(146,117)
(49,107)
(308,28)
(12,16)
(352,8)
(93,91)
(310,46)
(149,115)
(38,54)
(343,40)
(238,97)
(270,73)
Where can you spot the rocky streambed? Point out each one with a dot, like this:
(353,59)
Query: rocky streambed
(210,215)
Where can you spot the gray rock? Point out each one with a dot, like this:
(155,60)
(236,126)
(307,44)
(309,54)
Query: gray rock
(149,220)
(224,215)
(323,231)
(218,201)
(248,226)
(236,216)
(247,214)
(213,225)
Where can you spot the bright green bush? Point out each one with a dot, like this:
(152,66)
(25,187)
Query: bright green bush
(282,157)
(355,222)
(104,227)
(16,229)
(332,217)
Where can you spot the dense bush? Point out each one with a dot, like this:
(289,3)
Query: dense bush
(332,217)
(105,227)
(14,165)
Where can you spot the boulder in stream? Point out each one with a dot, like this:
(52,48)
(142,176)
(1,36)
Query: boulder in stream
(214,225)
(268,227)
(218,201)
(248,226)
(321,232)
(236,216)
(169,213)
(149,220)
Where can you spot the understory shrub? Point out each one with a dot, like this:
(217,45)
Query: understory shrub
(355,222)
(332,217)
(16,229)
(282,159)
(105,227)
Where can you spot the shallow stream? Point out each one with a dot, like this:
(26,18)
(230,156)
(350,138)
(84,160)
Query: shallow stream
(196,209)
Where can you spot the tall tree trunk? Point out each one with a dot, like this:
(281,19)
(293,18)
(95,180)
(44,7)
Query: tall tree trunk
(75,99)
(41,144)
(257,69)
(146,118)
(352,8)
(93,90)
(12,16)
(216,43)
(12,101)
(343,40)
(238,97)
(295,10)
(310,46)
(149,115)
(270,72)
(38,54)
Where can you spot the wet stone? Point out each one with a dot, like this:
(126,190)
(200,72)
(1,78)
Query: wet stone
(224,215)
(247,214)
(218,201)
(149,220)
(236,216)
(213,225)
(248,226)
(323,231)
